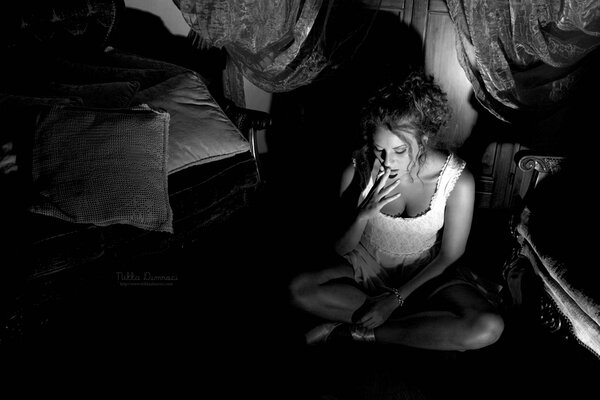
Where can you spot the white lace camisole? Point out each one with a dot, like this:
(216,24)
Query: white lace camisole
(392,248)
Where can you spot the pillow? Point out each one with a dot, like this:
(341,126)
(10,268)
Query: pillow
(199,131)
(102,95)
(102,166)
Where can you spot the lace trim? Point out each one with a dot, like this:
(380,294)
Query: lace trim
(454,179)
(386,250)
(433,196)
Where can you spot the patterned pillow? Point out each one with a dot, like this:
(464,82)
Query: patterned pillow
(102,166)
(199,131)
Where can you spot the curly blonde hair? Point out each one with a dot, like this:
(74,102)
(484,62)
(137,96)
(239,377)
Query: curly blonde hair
(417,103)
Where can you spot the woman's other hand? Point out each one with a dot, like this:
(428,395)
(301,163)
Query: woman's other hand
(376,310)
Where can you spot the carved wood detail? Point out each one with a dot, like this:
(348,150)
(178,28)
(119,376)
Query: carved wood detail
(541,163)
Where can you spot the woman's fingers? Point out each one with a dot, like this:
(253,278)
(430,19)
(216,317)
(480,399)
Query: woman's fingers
(389,199)
(373,325)
(369,321)
(376,186)
(377,197)
(370,324)
(382,179)
(386,190)
(365,319)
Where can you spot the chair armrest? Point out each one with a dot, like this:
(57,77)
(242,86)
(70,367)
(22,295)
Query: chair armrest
(528,160)
(538,166)
(249,122)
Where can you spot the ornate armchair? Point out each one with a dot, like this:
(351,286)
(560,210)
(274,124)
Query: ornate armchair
(549,273)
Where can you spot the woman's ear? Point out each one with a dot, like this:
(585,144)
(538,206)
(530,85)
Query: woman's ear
(425,139)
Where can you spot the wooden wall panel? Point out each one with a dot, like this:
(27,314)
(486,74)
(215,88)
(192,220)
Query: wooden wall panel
(497,179)
(385,4)
(438,6)
(401,8)
(442,63)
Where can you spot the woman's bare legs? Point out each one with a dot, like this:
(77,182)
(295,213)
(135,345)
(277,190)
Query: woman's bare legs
(331,293)
(460,319)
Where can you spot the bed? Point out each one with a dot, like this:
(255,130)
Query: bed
(107,155)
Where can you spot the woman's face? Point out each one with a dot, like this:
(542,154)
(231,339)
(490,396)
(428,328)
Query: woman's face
(395,153)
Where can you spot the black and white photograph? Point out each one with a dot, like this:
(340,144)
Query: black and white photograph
(300,199)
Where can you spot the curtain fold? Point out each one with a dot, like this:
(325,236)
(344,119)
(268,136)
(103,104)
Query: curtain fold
(524,55)
(278,45)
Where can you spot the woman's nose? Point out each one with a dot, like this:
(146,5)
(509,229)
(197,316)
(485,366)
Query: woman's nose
(385,159)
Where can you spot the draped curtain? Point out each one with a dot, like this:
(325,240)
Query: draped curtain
(523,55)
(519,55)
(278,45)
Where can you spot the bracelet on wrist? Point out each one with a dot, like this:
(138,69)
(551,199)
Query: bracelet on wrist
(398,296)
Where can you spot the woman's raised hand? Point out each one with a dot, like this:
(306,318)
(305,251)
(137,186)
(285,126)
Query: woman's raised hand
(379,195)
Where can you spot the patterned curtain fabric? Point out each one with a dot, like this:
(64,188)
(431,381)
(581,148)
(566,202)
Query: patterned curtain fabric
(278,45)
(521,55)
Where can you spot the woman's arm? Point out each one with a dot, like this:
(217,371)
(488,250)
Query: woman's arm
(355,216)
(457,225)
(352,226)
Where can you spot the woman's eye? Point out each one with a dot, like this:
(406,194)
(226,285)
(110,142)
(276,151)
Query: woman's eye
(400,151)
(378,151)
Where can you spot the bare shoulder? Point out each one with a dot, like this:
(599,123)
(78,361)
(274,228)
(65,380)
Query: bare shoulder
(466,178)
(347,176)
(464,190)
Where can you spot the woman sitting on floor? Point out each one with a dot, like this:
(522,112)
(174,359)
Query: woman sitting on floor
(408,206)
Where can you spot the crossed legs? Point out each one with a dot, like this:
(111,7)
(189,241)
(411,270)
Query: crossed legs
(455,318)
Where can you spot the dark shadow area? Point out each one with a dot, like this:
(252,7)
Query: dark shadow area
(315,127)
(314,131)
(487,129)
(221,321)
(145,34)
(547,129)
